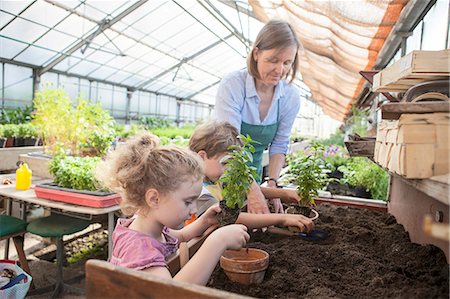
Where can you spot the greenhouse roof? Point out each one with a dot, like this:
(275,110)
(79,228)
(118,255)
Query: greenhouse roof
(182,48)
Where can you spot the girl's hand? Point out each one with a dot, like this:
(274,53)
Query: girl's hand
(210,215)
(233,236)
(303,223)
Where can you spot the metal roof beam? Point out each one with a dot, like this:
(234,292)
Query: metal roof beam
(233,4)
(184,60)
(234,30)
(80,44)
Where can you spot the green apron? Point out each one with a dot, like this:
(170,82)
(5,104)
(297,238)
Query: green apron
(264,135)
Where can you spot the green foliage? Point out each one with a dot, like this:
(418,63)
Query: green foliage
(26,130)
(178,140)
(75,172)
(238,176)
(358,121)
(68,129)
(92,249)
(308,171)
(335,156)
(172,132)
(9,130)
(125,132)
(151,122)
(16,116)
(360,171)
(336,138)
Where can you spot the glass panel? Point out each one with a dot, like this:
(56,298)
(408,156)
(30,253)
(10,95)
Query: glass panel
(56,40)
(102,72)
(104,95)
(45,13)
(34,55)
(118,76)
(435,26)
(120,101)
(67,63)
(10,48)
(13,8)
(18,85)
(48,78)
(413,42)
(76,25)
(83,68)
(23,30)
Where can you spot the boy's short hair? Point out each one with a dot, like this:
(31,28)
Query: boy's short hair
(214,137)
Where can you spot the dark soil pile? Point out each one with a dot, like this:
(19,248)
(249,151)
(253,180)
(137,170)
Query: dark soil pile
(367,255)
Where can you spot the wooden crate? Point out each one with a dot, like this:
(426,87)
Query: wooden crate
(414,68)
(415,146)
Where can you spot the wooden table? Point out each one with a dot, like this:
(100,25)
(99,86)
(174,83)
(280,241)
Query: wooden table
(28,197)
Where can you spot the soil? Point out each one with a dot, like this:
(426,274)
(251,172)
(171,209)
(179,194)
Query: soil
(227,215)
(367,255)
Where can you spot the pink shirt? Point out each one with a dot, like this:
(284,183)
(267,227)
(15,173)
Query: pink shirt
(136,250)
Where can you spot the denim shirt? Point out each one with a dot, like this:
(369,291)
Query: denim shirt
(237,101)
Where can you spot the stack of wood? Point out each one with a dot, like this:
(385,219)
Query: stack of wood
(413,137)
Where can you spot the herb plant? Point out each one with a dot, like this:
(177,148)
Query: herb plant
(238,176)
(308,171)
(75,172)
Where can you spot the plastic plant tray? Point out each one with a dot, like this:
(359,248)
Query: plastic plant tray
(94,199)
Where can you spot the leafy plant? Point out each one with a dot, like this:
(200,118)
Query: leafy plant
(336,156)
(172,132)
(26,130)
(151,122)
(308,171)
(358,122)
(75,172)
(16,116)
(68,129)
(336,138)
(238,176)
(361,172)
(9,130)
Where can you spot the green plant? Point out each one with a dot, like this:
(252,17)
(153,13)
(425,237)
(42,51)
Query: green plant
(361,172)
(1,131)
(358,121)
(68,129)
(75,172)
(16,116)
(9,130)
(151,122)
(172,132)
(336,138)
(238,176)
(308,171)
(26,130)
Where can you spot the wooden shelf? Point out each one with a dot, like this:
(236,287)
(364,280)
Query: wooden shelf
(436,187)
(394,110)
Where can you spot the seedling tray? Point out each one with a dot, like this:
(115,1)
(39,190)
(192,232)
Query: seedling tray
(95,199)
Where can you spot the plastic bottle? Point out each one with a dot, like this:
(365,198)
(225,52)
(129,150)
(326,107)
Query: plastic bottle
(23,177)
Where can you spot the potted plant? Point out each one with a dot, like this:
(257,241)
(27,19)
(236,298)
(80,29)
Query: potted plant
(25,135)
(9,131)
(2,137)
(74,182)
(308,171)
(236,180)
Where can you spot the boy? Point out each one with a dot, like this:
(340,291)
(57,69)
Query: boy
(211,141)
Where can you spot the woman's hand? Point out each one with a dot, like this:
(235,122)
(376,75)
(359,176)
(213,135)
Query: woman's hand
(256,201)
(277,205)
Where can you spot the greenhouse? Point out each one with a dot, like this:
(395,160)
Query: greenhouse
(224,148)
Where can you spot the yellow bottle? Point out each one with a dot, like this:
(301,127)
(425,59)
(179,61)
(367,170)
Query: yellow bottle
(23,177)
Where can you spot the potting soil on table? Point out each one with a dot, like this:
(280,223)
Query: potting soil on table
(367,255)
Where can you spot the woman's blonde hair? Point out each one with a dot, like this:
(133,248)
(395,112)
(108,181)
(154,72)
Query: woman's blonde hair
(214,137)
(275,34)
(141,164)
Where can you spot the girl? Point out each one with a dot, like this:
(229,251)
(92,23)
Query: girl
(160,186)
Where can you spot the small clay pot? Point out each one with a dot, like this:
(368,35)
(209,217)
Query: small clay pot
(246,266)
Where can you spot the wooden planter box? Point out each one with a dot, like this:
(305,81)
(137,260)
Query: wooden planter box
(414,68)
(361,148)
(415,146)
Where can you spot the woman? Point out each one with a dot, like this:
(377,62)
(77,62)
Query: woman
(260,102)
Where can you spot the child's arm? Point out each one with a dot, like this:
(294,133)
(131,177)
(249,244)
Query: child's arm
(199,226)
(264,220)
(286,195)
(199,268)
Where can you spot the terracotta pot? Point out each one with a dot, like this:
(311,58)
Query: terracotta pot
(246,266)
